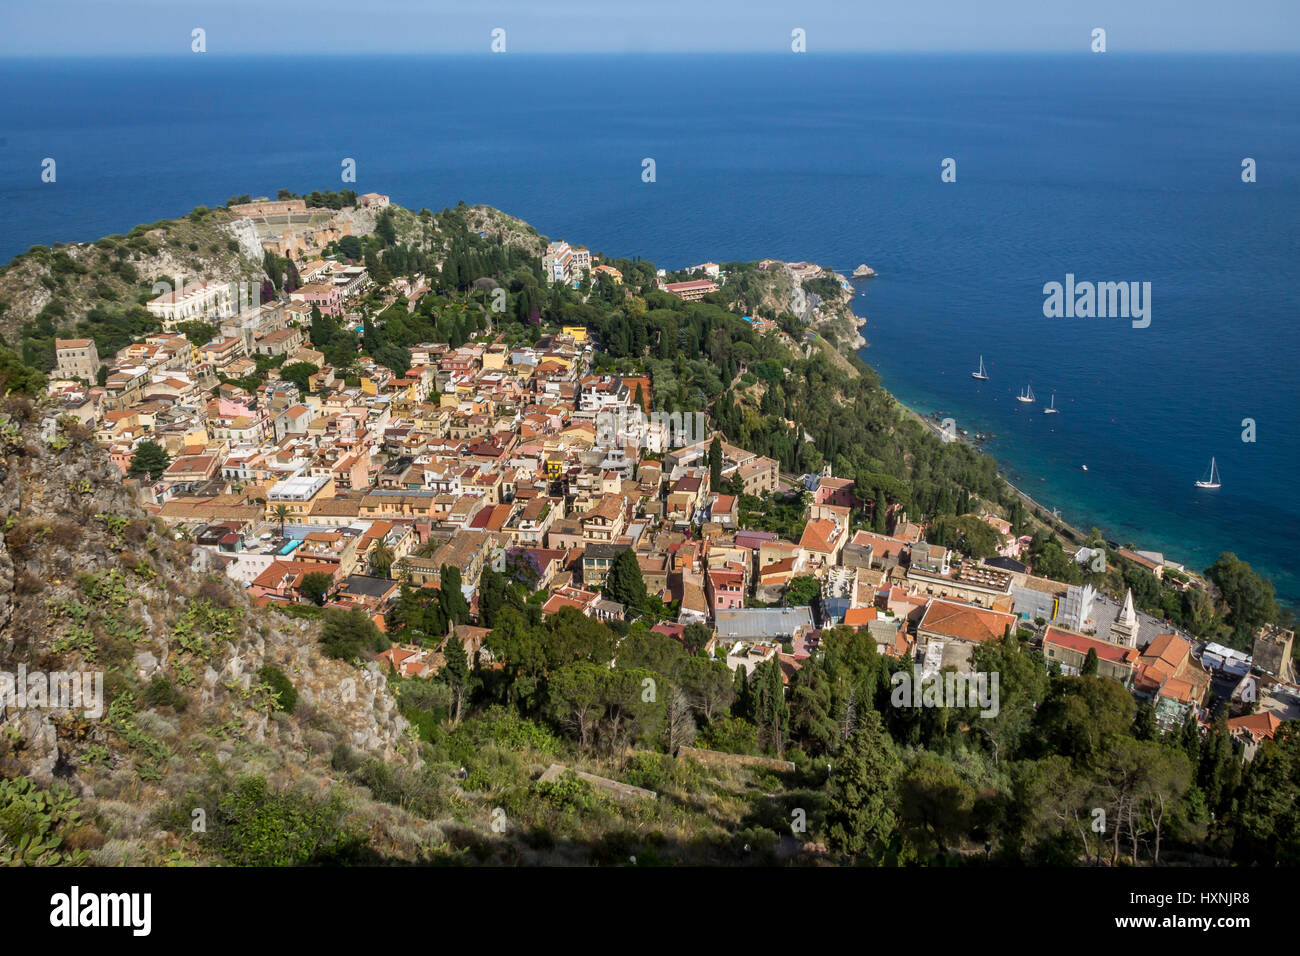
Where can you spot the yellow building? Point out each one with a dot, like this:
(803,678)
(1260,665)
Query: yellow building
(579,332)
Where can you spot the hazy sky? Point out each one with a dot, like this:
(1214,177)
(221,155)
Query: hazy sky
(116,27)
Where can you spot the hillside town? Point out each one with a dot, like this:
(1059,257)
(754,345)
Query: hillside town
(525,460)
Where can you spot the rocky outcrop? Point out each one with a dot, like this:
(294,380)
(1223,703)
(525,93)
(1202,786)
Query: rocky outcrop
(90,584)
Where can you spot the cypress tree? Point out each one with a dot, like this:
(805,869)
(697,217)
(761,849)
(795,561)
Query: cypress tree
(860,791)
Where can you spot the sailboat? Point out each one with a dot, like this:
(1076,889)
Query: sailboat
(1213,480)
(981,375)
(1051,409)
(1026,396)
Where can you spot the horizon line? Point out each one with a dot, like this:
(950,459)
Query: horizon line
(530,54)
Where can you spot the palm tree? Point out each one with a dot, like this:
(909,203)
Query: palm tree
(281,514)
(381,559)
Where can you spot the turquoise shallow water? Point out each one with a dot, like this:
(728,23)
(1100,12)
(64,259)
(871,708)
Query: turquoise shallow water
(1112,168)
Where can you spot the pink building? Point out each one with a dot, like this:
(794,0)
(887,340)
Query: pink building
(835,491)
(327,298)
(726,589)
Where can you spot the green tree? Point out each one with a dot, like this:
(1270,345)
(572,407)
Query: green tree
(299,373)
(347,634)
(861,791)
(278,681)
(450,596)
(771,712)
(149,460)
(695,637)
(350,248)
(382,558)
(1144,723)
(715,463)
(802,591)
(1268,825)
(281,513)
(624,583)
(199,333)
(316,585)
(1082,716)
(577,699)
(456,674)
(1090,663)
(935,803)
(812,707)
(1249,598)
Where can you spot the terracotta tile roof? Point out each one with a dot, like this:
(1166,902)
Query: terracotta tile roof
(820,535)
(1259,726)
(1081,643)
(965,622)
(859,616)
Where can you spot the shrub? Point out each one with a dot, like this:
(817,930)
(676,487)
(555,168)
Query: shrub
(35,824)
(161,693)
(250,824)
(278,681)
(347,634)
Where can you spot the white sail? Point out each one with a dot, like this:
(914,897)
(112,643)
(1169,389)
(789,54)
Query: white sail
(1213,480)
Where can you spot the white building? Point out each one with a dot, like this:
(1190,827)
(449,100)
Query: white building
(198,302)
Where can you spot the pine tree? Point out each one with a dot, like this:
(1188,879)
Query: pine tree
(1144,722)
(860,792)
(812,720)
(149,459)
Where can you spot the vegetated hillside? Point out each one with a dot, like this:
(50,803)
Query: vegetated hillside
(64,282)
(90,583)
(98,289)
(438,233)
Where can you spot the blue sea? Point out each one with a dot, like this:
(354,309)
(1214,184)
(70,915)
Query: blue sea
(1107,167)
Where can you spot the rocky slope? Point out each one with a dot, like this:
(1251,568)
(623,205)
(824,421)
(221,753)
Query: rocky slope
(90,584)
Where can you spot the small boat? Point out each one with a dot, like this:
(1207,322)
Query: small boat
(1085,467)
(1051,409)
(981,375)
(1213,480)
(1027,396)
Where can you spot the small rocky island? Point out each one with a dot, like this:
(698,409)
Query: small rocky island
(863,272)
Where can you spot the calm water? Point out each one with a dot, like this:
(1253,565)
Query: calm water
(1111,168)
